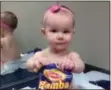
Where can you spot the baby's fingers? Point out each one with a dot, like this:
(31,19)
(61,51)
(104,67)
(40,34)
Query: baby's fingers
(30,65)
(37,66)
(42,61)
(60,66)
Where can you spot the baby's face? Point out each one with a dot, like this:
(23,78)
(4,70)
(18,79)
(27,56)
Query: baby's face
(59,31)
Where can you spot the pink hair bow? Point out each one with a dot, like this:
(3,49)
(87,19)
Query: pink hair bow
(55,8)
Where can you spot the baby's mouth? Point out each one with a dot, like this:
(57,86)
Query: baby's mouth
(60,43)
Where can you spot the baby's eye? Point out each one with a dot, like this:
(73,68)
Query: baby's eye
(66,31)
(54,30)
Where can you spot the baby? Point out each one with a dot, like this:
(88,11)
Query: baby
(58,29)
(9,48)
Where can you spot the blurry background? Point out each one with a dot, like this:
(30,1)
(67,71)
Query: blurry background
(91,39)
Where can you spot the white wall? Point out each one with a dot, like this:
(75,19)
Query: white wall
(92,28)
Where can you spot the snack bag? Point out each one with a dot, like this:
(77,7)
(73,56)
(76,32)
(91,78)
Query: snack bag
(53,78)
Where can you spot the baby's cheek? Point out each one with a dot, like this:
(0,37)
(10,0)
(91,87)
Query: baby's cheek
(51,40)
(50,37)
(68,38)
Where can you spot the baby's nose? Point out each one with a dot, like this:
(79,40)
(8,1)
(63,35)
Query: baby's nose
(60,36)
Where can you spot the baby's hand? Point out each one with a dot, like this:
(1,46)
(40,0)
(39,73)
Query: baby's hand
(66,64)
(39,62)
(35,63)
(79,65)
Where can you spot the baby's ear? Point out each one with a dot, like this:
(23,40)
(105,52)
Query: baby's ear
(43,31)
